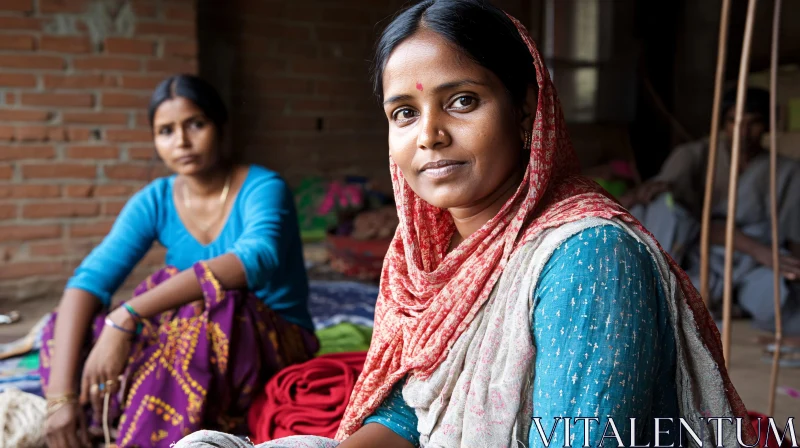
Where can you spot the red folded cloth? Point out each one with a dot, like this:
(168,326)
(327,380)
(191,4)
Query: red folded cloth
(767,438)
(306,399)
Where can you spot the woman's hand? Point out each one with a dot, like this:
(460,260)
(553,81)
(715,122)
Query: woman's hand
(644,194)
(66,428)
(106,362)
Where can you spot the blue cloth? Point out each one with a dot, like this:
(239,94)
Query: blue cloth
(604,344)
(335,302)
(261,231)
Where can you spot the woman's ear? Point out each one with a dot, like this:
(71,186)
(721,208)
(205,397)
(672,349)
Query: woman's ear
(528,110)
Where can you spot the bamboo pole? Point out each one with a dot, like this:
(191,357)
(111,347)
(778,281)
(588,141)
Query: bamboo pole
(705,230)
(730,226)
(773,194)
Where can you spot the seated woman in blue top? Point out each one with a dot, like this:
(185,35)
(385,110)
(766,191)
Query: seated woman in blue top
(199,338)
(515,292)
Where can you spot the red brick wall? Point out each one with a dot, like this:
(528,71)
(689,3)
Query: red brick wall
(296,75)
(75,77)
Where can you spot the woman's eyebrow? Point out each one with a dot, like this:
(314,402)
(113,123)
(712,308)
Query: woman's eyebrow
(440,88)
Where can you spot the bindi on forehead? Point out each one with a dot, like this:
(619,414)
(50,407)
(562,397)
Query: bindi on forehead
(419,86)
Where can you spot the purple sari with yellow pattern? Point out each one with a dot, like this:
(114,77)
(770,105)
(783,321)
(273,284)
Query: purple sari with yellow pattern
(226,347)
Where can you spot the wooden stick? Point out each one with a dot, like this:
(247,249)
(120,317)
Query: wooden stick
(773,194)
(730,224)
(705,227)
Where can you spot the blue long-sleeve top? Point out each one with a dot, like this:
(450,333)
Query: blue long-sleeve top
(604,345)
(261,230)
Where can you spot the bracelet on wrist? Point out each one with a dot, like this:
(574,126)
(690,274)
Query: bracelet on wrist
(112,324)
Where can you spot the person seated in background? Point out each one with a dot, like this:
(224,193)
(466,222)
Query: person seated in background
(201,336)
(670,206)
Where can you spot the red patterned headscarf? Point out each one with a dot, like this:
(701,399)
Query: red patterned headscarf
(428,297)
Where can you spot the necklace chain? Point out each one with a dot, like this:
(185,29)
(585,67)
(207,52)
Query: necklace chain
(223,198)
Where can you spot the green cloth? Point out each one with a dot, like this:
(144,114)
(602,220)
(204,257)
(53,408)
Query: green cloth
(343,338)
(30,361)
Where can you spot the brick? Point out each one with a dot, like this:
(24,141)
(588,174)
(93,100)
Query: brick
(10,99)
(142,121)
(144,9)
(40,134)
(49,249)
(16,41)
(78,81)
(93,152)
(97,118)
(327,68)
(29,191)
(8,153)
(100,228)
(180,49)
(161,29)
(112,208)
(60,209)
(155,257)
(171,66)
(62,6)
(111,191)
(125,100)
(20,23)
(290,123)
(284,84)
(142,153)
(59,171)
(35,62)
(79,191)
(58,99)
(129,135)
(120,45)
(141,82)
(24,115)
(29,232)
(17,80)
(180,13)
(306,105)
(81,135)
(109,63)
(8,211)
(342,88)
(16,5)
(127,172)
(66,44)
(8,133)
(6,171)
(19,270)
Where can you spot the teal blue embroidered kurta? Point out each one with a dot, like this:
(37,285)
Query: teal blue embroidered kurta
(604,345)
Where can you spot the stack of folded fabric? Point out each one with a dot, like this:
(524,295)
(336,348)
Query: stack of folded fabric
(306,399)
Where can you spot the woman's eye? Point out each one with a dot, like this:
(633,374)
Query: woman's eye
(198,124)
(166,130)
(464,102)
(404,114)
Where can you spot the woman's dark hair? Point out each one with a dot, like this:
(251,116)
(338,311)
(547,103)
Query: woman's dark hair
(194,89)
(481,30)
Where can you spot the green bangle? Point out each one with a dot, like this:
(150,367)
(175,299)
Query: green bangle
(132,312)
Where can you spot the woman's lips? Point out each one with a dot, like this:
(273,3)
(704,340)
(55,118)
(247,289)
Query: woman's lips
(186,160)
(441,168)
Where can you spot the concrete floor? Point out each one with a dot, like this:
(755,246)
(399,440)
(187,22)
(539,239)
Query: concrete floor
(750,374)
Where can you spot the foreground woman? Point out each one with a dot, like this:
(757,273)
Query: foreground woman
(228,312)
(514,289)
